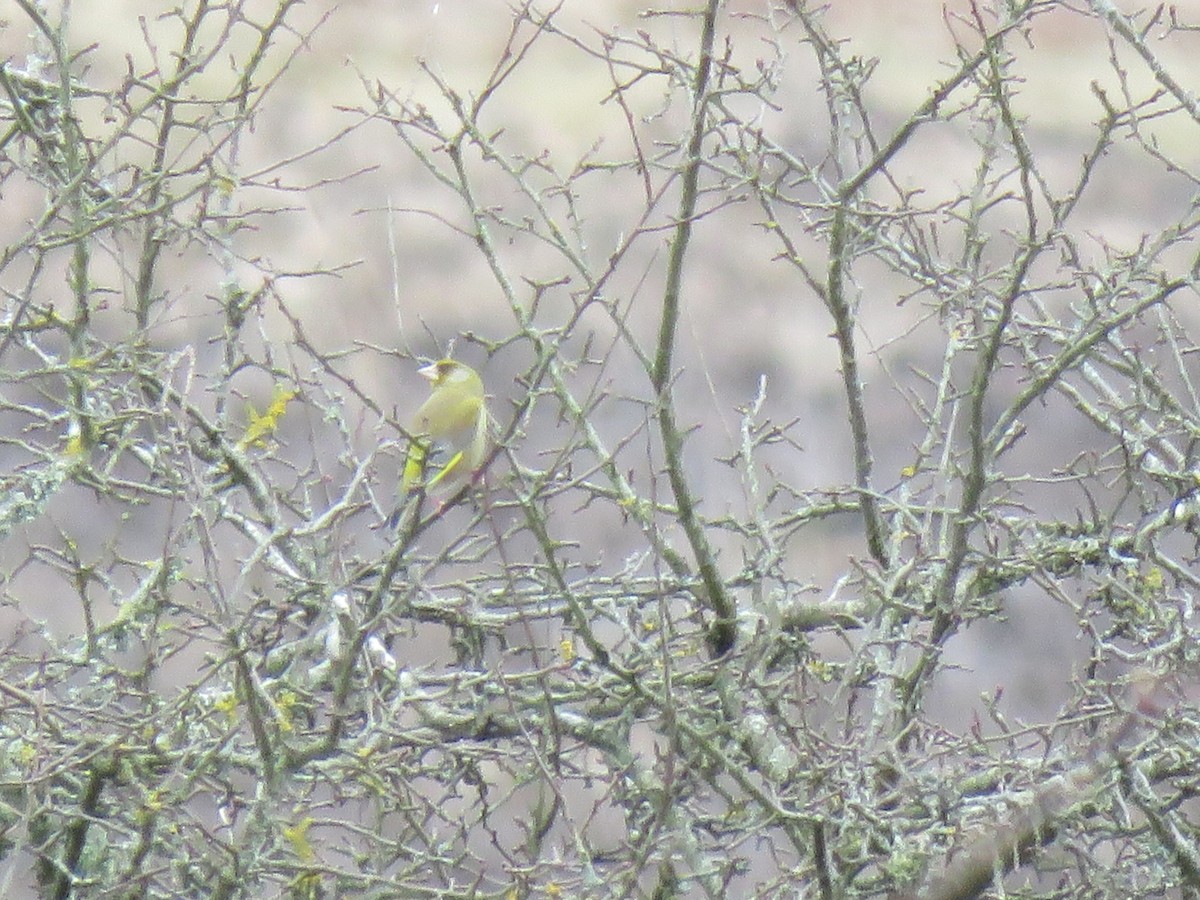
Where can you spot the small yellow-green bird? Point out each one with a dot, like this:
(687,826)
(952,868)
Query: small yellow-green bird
(454,420)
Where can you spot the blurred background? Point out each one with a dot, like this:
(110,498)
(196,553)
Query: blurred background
(370,255)
(347,197)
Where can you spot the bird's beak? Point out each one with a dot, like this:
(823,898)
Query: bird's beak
(430,371)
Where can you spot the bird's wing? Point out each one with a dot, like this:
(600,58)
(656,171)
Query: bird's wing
(467,456)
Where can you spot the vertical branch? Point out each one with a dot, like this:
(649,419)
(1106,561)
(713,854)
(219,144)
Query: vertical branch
(841,231)
(75,206)
(722,635)
(843,316)
(152,241)
(946,617)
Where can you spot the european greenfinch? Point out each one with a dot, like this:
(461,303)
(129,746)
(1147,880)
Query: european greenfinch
(453,420)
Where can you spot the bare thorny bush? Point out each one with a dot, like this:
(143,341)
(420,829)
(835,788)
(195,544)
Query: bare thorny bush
(222,677)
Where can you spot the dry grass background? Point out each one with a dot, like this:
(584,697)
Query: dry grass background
(407,286)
